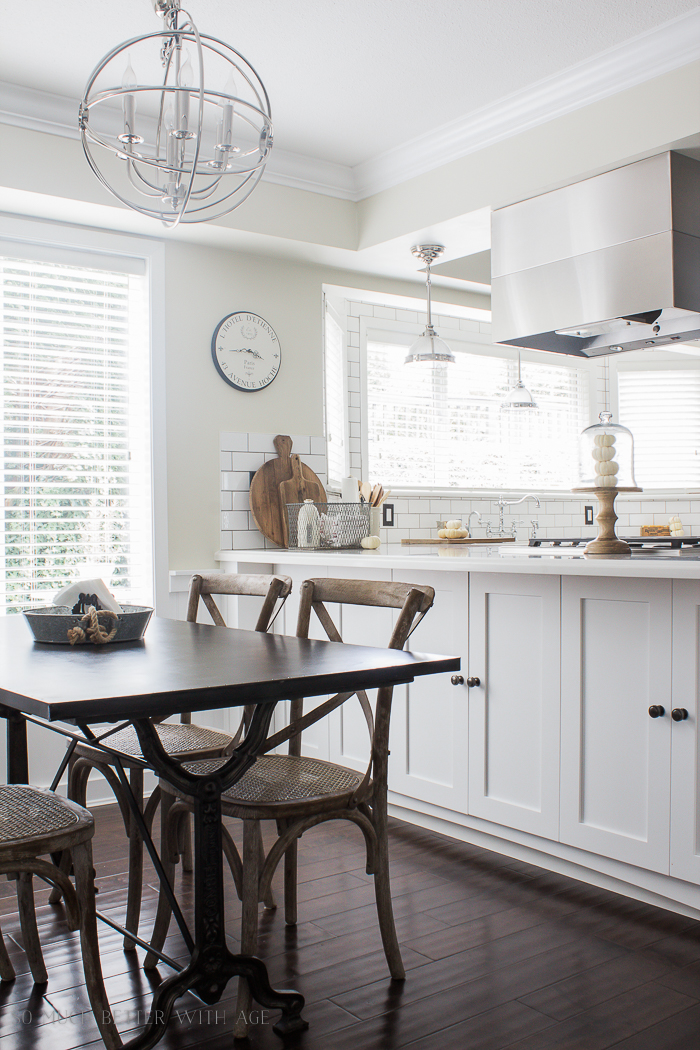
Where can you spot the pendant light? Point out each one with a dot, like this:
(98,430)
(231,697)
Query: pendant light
(175,124)
(518,396)
(429,347)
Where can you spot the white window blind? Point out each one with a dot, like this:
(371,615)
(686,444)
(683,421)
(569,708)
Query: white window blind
(74,385)
(335,400)
(442,426)
(662,409)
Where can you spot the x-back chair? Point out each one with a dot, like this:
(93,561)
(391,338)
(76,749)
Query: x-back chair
(299,792)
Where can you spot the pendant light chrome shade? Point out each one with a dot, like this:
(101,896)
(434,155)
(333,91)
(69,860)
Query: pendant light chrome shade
(429,347)
(176,125)
(518,396)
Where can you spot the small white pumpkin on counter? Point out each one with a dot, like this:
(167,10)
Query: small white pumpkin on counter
(452,534)
(455,524)
(370,543)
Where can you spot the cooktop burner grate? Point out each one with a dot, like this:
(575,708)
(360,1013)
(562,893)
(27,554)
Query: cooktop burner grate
(667,542)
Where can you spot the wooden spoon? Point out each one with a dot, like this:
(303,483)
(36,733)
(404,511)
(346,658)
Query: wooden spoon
(365,491)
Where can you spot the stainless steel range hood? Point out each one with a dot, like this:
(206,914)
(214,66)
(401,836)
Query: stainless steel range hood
(608,264)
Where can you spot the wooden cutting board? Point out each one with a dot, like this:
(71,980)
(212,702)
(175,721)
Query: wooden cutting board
(266,497)
(478,539)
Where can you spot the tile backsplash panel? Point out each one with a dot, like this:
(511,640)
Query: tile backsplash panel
(415,518)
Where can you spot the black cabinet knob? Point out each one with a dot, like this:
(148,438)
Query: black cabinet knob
(457,679)
(473,681)
(656,711)
(679,714)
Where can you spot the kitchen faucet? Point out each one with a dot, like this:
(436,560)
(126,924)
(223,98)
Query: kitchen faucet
(502,504)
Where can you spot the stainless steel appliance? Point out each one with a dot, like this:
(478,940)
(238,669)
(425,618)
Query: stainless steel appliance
(605,265)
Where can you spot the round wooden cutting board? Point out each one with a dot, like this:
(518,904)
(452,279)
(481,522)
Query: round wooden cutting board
(280,481)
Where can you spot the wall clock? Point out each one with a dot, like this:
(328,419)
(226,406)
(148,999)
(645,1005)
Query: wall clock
(246,351)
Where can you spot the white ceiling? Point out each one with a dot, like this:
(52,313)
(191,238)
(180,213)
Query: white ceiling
(348,79)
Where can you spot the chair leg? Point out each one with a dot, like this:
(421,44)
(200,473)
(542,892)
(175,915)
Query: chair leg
(7,970)
(168,852)
(135,887)
(27,921)
(268,901)
(382,890)
(249,920)
(89,945)
(77,787)
(290,879)
(186,852)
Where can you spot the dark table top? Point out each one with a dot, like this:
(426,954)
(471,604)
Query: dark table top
(181,666)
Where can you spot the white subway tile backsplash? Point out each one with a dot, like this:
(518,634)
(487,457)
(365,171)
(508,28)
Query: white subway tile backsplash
(408,316)
(235,479)
(247,540)
(468,326)
(226,502)
(261,443)
(353,339)
(247,460)
(386,312)
(234,442)
(353,324)
(301,444)
(225,461)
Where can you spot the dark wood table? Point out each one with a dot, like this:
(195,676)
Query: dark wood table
(177,667)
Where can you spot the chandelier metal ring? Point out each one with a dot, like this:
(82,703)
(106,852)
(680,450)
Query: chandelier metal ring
(175,168)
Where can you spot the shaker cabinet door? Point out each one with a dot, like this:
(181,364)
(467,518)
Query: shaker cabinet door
(429,719)
(616,665)
(685,739)
(514,712)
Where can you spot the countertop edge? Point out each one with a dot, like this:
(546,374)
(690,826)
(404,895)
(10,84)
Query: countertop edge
(467,561)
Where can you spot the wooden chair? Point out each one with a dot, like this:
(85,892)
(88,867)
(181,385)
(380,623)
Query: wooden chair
(298,792)
(184,739)
(33,823)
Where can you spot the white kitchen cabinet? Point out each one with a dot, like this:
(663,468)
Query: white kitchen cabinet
(616,664)
(685,738)
(430,716)
(514,712)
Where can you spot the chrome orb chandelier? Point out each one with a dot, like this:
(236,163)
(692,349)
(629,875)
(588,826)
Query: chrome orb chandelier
(164,142)
(429,347)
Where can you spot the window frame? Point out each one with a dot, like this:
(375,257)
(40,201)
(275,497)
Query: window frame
(404,332)
(63,237)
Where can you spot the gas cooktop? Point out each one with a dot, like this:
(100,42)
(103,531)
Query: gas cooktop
(641,542)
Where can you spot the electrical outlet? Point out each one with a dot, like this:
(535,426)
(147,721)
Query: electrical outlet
(387,514)
(588,512)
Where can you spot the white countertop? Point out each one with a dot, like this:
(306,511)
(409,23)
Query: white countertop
(502,557)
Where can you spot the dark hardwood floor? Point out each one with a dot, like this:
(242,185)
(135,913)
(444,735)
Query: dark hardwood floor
(498,954)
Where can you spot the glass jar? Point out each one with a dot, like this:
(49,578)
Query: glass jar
(606,456)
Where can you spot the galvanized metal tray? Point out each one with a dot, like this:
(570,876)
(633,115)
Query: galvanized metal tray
(53,622)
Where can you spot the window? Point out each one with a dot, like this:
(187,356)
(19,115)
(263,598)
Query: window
(659,400)
(74,375)
(442,426)
(336,396)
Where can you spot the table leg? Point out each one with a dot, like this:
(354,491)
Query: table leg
(17,753)
(212,964)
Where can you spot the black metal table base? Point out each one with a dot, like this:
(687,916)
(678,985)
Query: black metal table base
(212,965)
(208,973)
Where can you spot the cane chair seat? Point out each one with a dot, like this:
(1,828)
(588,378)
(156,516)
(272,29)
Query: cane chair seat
(29,814)
(178,740)
(34,823)
(278,781)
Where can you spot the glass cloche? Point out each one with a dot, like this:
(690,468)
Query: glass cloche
(606,456)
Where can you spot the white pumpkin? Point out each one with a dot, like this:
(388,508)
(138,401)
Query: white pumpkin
(603,469)
(604,440)
(607,481)
(455,524)
(455,534)
(603,455)
(370,543)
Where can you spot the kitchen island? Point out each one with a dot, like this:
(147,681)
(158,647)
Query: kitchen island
(572,740)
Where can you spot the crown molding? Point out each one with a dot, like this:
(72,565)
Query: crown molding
(651,54)
(23,107)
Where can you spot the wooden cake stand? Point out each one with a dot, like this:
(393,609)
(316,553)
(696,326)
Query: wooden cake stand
(606,542)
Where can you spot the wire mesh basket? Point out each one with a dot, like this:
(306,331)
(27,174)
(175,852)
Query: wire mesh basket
(320,526)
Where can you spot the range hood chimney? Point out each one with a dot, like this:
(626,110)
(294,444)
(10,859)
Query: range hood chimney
(608,264)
